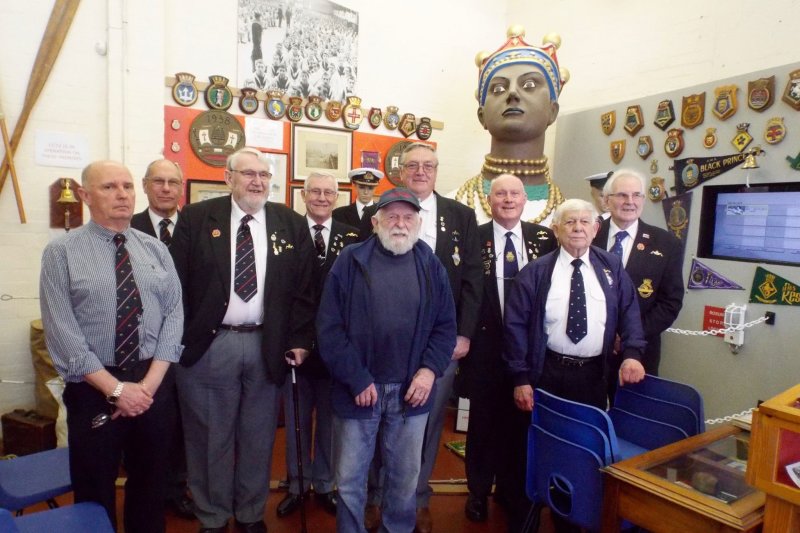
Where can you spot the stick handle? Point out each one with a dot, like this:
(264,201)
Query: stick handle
(10,159)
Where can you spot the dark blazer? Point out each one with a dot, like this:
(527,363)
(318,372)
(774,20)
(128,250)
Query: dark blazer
(201,250)
(484,366)
(656,269)
(142,222)
(347,214)
(458,248)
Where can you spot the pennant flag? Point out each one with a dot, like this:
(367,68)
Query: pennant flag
(693,171)
(677,210)
(769,288)
(702,277)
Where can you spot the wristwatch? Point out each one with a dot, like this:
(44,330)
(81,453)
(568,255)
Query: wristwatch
(114,396)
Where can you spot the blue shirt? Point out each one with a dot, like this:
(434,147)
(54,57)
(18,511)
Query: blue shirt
(77,287)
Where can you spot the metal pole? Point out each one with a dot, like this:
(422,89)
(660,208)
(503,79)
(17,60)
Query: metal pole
(297,440)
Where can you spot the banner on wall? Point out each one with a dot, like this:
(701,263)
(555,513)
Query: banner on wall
(769,288)
(676,212)
(692,171)
(702,277)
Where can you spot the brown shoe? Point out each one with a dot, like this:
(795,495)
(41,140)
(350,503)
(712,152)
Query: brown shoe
(372,517)
(424,520)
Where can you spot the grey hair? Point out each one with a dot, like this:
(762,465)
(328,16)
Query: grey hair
(320,175)
(154,163)
(416,146)
(572,205)
(621,173)
(262,157)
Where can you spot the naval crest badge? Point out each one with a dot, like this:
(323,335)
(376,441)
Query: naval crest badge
(645,147)
(392,118)
(608,121)
(673,145)
(693,110)
(424,129)
(184,92)
(352,115)
(218,94)
(760,93)
(275,106)
(657,190)
(725,104)
(333,111)
(214,135)
(665,114)
(617,150)
(646,288)
(314,108)
(248,102)
(294,111)
(633,120)
(375,117)
(408,124)
(710,138)
(742,138)
(791,95)
(775,130)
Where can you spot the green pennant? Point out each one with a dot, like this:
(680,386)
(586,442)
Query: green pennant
(769,288)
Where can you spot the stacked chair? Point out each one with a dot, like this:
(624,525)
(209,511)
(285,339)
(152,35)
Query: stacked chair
(569,443)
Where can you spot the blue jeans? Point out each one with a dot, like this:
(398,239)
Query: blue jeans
(401,449)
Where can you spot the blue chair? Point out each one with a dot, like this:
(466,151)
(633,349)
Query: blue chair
(34,478)
(674,393)
(79,518)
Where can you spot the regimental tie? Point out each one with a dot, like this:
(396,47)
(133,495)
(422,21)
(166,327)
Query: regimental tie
(510,264)
(616,249)
(576,314)
(129,309)
(319,241)
(245,283)
(163,231)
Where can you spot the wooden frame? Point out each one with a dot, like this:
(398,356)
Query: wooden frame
(199,190)
(316,149)
(280,174)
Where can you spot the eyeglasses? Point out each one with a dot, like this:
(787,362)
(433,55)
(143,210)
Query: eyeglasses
(250,174)
(161,182)
(426,167)
(627,197)
(327,193)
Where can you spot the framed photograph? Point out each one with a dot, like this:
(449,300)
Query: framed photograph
(199,190)
(277,185)
(300,206)
(321,150)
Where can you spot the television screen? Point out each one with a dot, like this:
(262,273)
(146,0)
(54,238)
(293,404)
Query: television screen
(758,224)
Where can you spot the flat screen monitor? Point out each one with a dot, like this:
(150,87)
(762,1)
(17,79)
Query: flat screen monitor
(759,224)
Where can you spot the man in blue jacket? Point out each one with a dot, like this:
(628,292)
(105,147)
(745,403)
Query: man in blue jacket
(386,329)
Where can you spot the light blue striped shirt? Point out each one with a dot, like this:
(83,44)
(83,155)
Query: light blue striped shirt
(77,290)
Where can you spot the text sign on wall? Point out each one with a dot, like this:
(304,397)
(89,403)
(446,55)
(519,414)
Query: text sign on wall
(714,318)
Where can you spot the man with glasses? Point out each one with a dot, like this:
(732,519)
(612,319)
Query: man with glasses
(652,257)
(313,380)
(163,185)
(450,229)
(246,267)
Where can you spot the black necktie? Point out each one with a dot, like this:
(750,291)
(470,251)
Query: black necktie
(245,283)
(319,241)
(576,314)
(163,231)
(616,249)
(129,308)
(510,264)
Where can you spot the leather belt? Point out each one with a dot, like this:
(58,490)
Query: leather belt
(241,328)
(571,360)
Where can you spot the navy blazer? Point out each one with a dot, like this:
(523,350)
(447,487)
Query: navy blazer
(347,214)
(142,222)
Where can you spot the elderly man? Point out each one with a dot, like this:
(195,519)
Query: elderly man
(518,89)
(112,313)
(313,380)
(386,328)
(651,255)
(564,313)
(450,229)
(246,268)
(365,180)
(508,245)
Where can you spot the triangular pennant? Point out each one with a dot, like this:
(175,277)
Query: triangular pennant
(702,277)
(769,288)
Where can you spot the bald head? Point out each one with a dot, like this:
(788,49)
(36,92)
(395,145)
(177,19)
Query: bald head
(507,199)
(107,189)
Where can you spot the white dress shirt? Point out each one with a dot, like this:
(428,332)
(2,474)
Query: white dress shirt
(326,230)
(239,311)
(499,247)
(428,213)
(360,208)
(627,242)
(155,220)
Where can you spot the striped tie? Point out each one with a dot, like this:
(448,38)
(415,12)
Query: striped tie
(245,283)
(163,231)
(129,308)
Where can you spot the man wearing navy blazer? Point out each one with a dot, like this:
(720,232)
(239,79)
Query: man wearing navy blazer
(652,258)
(497,431)
(246,266)
(365,180)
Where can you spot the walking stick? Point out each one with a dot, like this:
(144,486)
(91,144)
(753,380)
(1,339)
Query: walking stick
(297,441)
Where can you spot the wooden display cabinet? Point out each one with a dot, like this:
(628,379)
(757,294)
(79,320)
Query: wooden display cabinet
(775,450)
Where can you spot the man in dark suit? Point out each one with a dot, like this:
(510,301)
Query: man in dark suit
(246,267)
(451,230)
(365,180)
(313,380)
(163,185)
(651,255)
(496,427)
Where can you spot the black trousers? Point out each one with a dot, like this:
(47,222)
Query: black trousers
(95,454)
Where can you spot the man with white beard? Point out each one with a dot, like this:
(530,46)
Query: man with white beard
(386,329)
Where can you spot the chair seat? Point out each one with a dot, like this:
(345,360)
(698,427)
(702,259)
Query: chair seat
(34,478)
(79,518)
(627,449)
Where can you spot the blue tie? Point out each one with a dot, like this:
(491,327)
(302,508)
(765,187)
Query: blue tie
(617,248)
(576,314)
(510,264)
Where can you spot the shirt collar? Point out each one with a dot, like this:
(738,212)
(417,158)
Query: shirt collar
(500,231)
(428,203)
(613,229)
(311,223)
(237,213)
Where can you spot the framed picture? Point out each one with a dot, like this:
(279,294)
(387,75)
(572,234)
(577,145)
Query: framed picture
(321,150)
(277,185)
(300,206)
(199,190)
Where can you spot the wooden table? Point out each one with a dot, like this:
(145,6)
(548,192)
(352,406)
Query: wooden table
(648,490)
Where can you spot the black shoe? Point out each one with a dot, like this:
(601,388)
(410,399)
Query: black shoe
(251,527)
(328,501)
(223,529)
(289,504)
(475,509)
(182,506)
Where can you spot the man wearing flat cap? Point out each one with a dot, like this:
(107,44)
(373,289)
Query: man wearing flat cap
(365,181)
(386,329)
